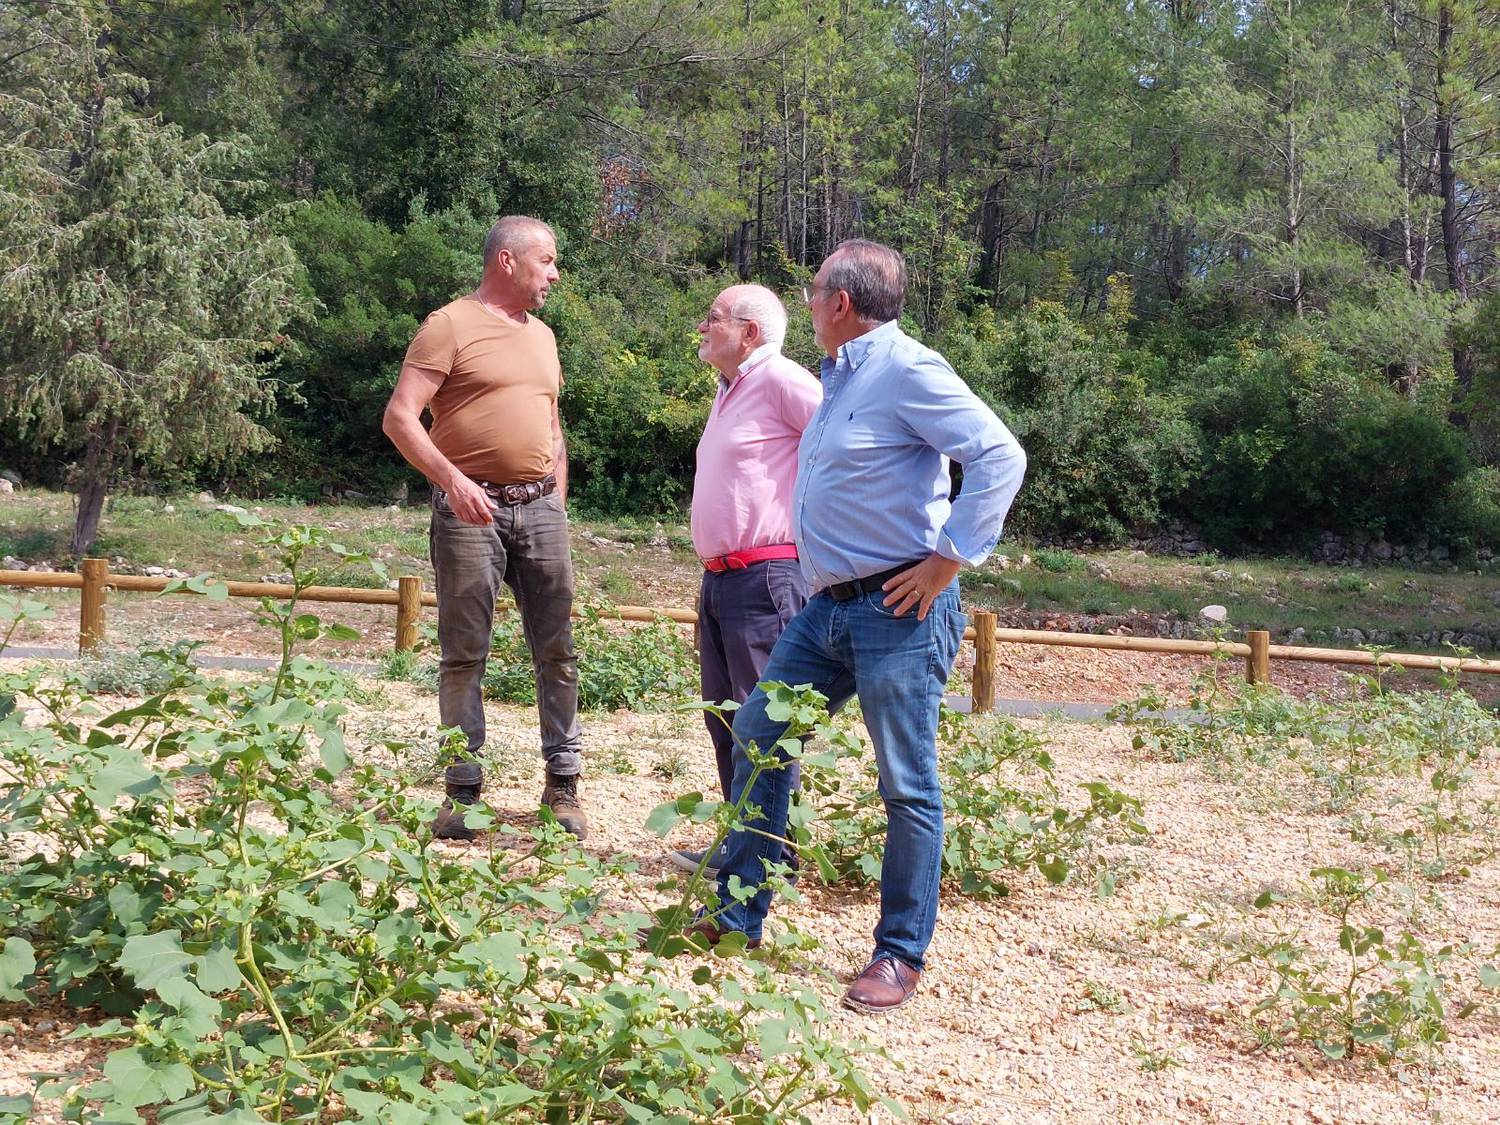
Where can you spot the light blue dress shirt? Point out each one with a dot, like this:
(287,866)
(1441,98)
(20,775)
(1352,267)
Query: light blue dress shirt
(872,467)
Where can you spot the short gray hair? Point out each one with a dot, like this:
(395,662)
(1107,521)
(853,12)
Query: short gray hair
(514,233)
(757,303)
(874,276)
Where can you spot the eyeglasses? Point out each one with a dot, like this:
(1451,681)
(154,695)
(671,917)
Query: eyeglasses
(811,291)
(716,318)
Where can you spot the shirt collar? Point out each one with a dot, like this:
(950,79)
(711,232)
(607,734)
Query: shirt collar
(758,356)
(752,361)
(854,351)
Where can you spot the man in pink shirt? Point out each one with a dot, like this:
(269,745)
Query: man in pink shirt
(742,497)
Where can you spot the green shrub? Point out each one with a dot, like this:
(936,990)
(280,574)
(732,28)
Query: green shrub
(1105,451)
(1385,992)
(319,958)
(1003,813)
(620,666)
(1060,562)
(148,671)
(1296,440)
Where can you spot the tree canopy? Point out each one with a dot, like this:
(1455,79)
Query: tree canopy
(1125,222)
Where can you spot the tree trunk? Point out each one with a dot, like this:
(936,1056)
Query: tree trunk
(93,487)
(1453,253)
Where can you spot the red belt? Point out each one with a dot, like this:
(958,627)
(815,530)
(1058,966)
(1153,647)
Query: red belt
(739,560)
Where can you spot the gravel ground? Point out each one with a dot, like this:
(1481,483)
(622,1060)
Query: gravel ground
(1053,1004)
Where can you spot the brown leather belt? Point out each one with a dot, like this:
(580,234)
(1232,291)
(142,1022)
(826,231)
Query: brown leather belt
(522,492)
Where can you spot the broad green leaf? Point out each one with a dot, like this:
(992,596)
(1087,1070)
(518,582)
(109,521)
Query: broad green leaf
(153,958)
(200,1013)
(17,962)
(125,773)
(510,1094)
(331,751)
(139,1081)
(216,970)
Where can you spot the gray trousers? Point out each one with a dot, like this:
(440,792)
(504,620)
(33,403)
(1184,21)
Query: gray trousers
(527,549)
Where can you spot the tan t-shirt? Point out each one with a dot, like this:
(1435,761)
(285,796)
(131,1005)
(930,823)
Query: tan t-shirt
(492,416)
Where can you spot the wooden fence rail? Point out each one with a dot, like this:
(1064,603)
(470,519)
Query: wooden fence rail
(94,580)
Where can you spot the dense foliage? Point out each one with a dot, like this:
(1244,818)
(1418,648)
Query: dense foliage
(273,932)
(1232,262)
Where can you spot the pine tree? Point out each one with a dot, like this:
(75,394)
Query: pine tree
(141,323)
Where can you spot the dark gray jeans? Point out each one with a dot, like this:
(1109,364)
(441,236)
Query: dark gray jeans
(527,549)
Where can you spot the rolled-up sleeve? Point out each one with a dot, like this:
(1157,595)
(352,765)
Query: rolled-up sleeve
(947,415)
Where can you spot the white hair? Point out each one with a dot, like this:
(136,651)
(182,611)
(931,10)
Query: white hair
(757,303)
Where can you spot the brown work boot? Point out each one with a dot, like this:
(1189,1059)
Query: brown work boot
(461,783)
(561,796)
(883,987)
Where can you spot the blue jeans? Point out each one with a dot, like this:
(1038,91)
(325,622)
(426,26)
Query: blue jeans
(898,666)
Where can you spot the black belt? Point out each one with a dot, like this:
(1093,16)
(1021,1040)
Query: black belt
(523,492)
(846,591)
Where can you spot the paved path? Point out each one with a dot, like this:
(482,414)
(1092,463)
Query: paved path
(1019,708)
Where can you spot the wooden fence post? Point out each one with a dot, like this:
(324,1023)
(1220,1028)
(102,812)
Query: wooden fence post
(408,611)
(91,611)
(984,661)
(1258,663)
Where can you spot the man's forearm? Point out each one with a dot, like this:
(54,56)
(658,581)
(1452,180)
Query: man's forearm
(409,436)
(560,466)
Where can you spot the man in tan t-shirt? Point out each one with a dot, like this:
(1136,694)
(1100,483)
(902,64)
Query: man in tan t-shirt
(499,471)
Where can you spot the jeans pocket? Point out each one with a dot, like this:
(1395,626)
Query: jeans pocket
(876,601)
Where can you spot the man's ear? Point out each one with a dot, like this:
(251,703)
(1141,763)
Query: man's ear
(753,333)
(505,259)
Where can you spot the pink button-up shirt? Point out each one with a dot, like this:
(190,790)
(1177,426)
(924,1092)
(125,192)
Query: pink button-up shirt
(747,456)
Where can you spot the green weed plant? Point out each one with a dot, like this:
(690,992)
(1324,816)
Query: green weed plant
(1349,748)
(270,933)
(1388,993)
(1004,813)
(620,667)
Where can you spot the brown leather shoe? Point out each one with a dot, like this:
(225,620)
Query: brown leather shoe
(561,796)
(883,987)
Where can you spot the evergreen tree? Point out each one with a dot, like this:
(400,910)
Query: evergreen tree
(141,323)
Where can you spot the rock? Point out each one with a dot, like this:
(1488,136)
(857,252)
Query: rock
(393,507)
(1025,560)
(1380,549)
(6,486)
(168,509)
(232,509)
(1439,554)
(353,497)
(10,562)
(1193,547)
(155,571)
(1214,614)
(1297,636)
(46,1025)
(205,497)
(401,493)
(1220,575)
(13,477)
(1101,570)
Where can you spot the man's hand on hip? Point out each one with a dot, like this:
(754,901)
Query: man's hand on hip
(919,585)
(469,502)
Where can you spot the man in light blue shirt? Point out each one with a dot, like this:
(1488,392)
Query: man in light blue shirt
(881,547)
